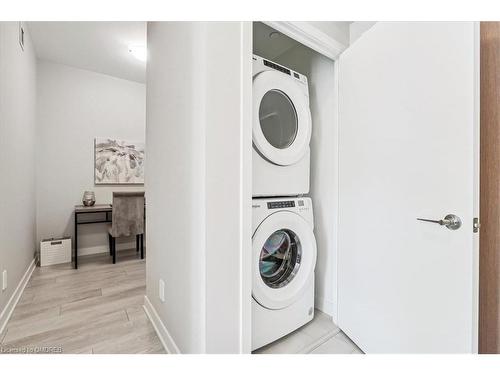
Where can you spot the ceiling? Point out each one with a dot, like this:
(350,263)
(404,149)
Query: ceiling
(103,46)
(97,46)
(268,43)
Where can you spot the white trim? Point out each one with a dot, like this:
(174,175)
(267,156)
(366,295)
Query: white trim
(162,332)
(329,307)
(309,36)
(246,189)
(14,299)
(101,249)
(336,205)
(476,188)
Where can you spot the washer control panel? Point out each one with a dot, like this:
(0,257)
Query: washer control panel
(280,204)
(264,207)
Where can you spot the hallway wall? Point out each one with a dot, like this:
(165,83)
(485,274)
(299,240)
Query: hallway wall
(17,156)
(73,107)
(199,217)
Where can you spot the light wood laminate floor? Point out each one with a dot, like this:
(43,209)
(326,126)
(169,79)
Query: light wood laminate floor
(95,309)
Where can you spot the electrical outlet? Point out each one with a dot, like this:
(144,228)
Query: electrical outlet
(4,279)
(161,290)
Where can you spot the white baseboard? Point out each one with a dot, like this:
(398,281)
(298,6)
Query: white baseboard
(326,306)
(100,249)
(14,298)
(162,332)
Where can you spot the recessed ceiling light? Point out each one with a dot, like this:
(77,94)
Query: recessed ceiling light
(274,34)
(138,51)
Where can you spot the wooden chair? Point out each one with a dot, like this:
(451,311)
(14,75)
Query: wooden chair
(127,220)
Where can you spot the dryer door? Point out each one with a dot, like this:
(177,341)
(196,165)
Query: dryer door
(281,118)
(284,256)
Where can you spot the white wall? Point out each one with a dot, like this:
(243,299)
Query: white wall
(17,155)
(321,75)
(358,28)
(228,197)
(198,85)
(73,107)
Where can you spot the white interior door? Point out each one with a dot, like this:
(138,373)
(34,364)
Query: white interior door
(407,150)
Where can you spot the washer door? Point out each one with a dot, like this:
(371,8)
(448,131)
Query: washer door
(284,257)
(281,118)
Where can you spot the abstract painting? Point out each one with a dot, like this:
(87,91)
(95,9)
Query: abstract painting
(118,162)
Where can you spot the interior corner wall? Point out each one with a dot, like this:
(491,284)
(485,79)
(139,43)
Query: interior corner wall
(321,75)
(175,214)
(228,187)
(17,155)
(73,107)
(200,216)
(358,28)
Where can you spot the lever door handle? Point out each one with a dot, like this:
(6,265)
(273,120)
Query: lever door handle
(450,221)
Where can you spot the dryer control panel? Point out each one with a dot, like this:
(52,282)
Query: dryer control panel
(261,64)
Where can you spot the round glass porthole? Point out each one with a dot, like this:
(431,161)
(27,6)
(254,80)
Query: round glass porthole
(280,257)
(278,119)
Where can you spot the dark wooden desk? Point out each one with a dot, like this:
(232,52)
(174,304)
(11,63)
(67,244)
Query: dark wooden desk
(101,213)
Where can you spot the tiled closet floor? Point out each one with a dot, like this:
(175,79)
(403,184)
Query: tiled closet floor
(320,336)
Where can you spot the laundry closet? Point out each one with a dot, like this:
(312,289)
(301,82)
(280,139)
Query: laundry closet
(310,176)
(393,184)
(380,112)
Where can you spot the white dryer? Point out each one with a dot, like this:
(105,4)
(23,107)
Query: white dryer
(281,130)
(283,262)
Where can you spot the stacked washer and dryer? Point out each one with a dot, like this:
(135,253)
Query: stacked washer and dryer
(283,242)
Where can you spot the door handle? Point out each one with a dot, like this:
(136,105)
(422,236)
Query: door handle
(450,221)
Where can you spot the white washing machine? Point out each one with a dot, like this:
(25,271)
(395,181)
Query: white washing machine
(283,261)
(281,130)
